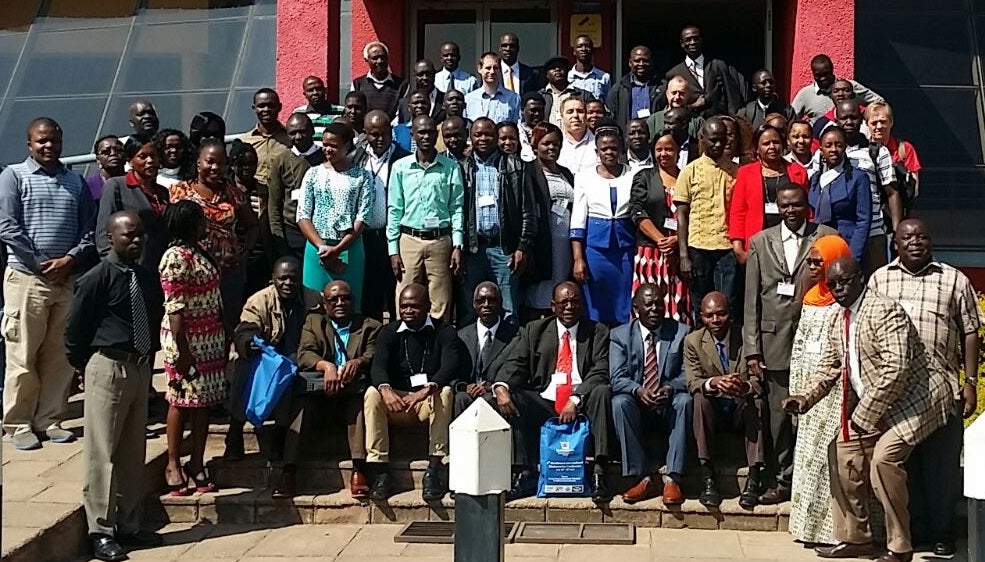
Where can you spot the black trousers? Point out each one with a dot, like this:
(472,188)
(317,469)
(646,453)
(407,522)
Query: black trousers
(463,400)
(379,285)
(535,410)
(934,482)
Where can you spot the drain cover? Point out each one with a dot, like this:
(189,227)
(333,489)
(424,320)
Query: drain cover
(576,533)
(439,532)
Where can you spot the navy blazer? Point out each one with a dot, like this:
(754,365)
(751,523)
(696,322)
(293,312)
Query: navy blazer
(626,356)
(851,206)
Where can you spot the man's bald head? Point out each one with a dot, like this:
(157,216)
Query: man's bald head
(422,122)
(714,299)
(120,219)
(376,117)
(125,233)
(335,285)
(414,291)
(844,278)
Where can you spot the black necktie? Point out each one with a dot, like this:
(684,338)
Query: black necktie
(485,352)
(138,312)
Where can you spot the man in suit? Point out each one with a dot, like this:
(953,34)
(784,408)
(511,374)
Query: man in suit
(424,79)
(647,377)
(641,81)
(894,395)
(715,88)
(723,390)
(776,280)
(517,77)
(558,356)
(766,102)
(485,339)
(341,345)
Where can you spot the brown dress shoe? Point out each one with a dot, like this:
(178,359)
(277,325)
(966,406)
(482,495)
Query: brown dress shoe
(641,491)
(672,494)
(774,496)
(846,550)
(285,487)
(358,485)
(896,557)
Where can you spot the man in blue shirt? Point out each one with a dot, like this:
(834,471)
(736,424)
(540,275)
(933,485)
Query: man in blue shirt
(451,77)
(585,75)
(492,100)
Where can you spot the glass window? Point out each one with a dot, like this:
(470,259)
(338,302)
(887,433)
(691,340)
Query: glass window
(69,63)
(10,50)
(174,110)
(257,61)
(265,8)
(538,36)
(438,26)
(240,116)
(78,117)
(185,56)
(941,123)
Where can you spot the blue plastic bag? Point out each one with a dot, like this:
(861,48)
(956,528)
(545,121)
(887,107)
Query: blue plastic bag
(563,447)
(270,376)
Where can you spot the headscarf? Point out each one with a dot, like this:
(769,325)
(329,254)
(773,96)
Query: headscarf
(831,247)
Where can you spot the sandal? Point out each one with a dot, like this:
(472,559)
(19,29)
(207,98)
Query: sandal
(178,490)
(203,485)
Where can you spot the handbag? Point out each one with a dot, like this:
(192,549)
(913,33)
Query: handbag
(563,447)
(270,375)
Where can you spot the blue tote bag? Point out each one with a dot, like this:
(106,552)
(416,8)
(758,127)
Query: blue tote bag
(563,447)
(270,376)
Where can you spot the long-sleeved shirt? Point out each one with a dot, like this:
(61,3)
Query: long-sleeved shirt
(463,81)
(596,81)
(102,314)
(433,350)
(812,103)
(44,216)
(425,199)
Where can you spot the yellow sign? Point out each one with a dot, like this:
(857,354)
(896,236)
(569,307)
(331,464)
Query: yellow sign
(587,24)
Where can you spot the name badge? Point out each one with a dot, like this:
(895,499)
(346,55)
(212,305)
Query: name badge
(643,113)
(670,224)
(418,380)
(559,209)
(813,347)
(296,195)
(785,289)
(431,222)
(771,209)
(486,201)
(559,378)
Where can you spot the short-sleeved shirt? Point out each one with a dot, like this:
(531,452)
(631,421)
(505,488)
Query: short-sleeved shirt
(910,159)
(221,240)
(707,188)
(596,81)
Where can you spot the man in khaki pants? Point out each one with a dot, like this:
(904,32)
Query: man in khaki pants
(46,222)
(112,336)
(416,360)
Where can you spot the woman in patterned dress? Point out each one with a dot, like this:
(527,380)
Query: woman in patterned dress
(810,509)
(336,202)
(193,343)
(654,211)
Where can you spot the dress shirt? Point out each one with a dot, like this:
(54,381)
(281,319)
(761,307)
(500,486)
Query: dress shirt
(487,193)
(343,332)
(577,156)
(379,84)
(550,393)
(635,164)
(791,244)
(463,81)
(311,150)
(379,168)
(640,103)
(404,327)
(854,372)
(707,187)
(502,105)
(425,199)
(511,72)
(596,81)
(480,331)
(682,154)
(697,68)
(706,387)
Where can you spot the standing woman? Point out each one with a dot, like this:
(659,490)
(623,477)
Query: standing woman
(553,189)
(139,192)
(336,202)
(810,508)
(109,157)
(603,239)
(226,210)
(653,210)
(839,195)
(799,139)
(508,137)
(243,163)
(193,342)
(754,206)
(177,157)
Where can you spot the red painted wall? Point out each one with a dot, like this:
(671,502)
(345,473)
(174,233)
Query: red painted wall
(302,24)
(379,20)
(809,29)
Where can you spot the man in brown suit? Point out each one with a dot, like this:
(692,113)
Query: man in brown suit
(894,395)
(341,345)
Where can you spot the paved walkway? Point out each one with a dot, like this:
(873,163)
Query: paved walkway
(374,543)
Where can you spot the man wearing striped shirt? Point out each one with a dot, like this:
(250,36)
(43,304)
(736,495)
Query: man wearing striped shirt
(47,217)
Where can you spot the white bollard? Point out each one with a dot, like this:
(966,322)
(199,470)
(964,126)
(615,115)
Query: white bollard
(974,488)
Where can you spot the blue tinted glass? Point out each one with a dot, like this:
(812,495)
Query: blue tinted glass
(240,116)
(174,110)
(256,67)
(192,10)
(70,63)
(10,50)
(265,8)
(78,117)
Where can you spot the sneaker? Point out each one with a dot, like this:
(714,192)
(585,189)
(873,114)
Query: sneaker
(59,435)
(26,441)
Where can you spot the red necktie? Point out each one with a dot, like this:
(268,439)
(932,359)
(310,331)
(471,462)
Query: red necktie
(845,380)
(563,391)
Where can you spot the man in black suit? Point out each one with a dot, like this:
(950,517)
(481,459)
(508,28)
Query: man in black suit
(766,102)
(715,87)
(423,80)
(517,77)
(485,339)
(561,355)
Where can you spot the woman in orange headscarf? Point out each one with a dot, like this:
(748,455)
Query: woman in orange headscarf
(810,510)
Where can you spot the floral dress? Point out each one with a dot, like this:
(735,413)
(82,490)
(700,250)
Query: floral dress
(221,240)
(191,286)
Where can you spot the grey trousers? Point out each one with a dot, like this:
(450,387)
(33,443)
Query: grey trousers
(115,444)
(783,434)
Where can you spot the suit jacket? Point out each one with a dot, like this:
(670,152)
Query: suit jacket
(530,78)
(318,342)
(437,112)
(754,112)
(701,360)
(627,356)
(904,387)
(532,358)
(724,90)
(770,319)
(851,206)
(747,212)
(543,252)
(262,316)
(470,337)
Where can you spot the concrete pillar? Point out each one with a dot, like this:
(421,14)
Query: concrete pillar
(812,27)
(307,43)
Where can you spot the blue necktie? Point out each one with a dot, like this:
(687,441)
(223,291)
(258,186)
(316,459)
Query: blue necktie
(722,356)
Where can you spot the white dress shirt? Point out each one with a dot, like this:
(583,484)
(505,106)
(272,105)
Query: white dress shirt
(515,72)
(480,331)
(313,149)
(697,68)
(463,81)
(379,168)
(577,156)
(791,244)
(854,372)
(551,392)
(405,328)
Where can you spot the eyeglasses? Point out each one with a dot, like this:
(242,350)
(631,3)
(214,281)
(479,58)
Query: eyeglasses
(843,282)
(338,298)
(815,261)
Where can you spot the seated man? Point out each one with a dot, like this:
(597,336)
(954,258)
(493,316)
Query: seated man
(711,362)
(485,339)
(645,367)
(341,345)
(561,355)
(416,359)
(275,314)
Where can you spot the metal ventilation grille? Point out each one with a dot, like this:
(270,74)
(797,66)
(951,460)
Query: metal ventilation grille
(443,532)
(439,532)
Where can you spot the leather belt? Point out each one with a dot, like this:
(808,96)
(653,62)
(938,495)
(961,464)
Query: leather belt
(426,234)
(124,356)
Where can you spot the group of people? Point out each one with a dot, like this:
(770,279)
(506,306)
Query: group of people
(683,250)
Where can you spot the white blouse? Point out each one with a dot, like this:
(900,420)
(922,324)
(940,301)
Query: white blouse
(593,197)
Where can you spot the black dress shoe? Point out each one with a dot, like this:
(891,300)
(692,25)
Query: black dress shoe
(523,487)
(105,547)
(846,550)
(432,488)
(140,539)
(944,549)
(381,487)
(235,449)
(750,494)
(710,496)
(602,493)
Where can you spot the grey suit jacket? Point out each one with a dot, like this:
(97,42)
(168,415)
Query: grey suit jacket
(627,357)
(770,320)
(470,337)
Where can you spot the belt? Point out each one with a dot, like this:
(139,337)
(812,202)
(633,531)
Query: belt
(124,356)
(487,239)
(426,234)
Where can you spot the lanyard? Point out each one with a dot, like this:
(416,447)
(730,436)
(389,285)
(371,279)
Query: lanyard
(424,360)
(340,345)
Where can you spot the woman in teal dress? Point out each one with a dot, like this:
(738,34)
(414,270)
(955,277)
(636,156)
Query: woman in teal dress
(336,202)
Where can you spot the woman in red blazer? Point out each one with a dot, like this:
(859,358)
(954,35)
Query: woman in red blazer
(753,206)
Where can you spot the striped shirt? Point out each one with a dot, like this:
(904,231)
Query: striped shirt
(940,302)
(44,216)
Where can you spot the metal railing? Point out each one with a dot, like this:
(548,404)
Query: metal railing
(86,159)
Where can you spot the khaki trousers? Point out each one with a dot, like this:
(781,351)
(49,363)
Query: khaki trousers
(435,410)
(115,444)
(874,460)
(427,262)
(38,376)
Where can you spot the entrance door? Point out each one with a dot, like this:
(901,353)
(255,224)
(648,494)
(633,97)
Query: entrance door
(476,27)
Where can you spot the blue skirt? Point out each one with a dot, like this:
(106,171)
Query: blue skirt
(608,294)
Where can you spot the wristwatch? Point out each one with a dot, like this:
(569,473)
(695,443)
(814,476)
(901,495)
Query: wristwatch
(971,379)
